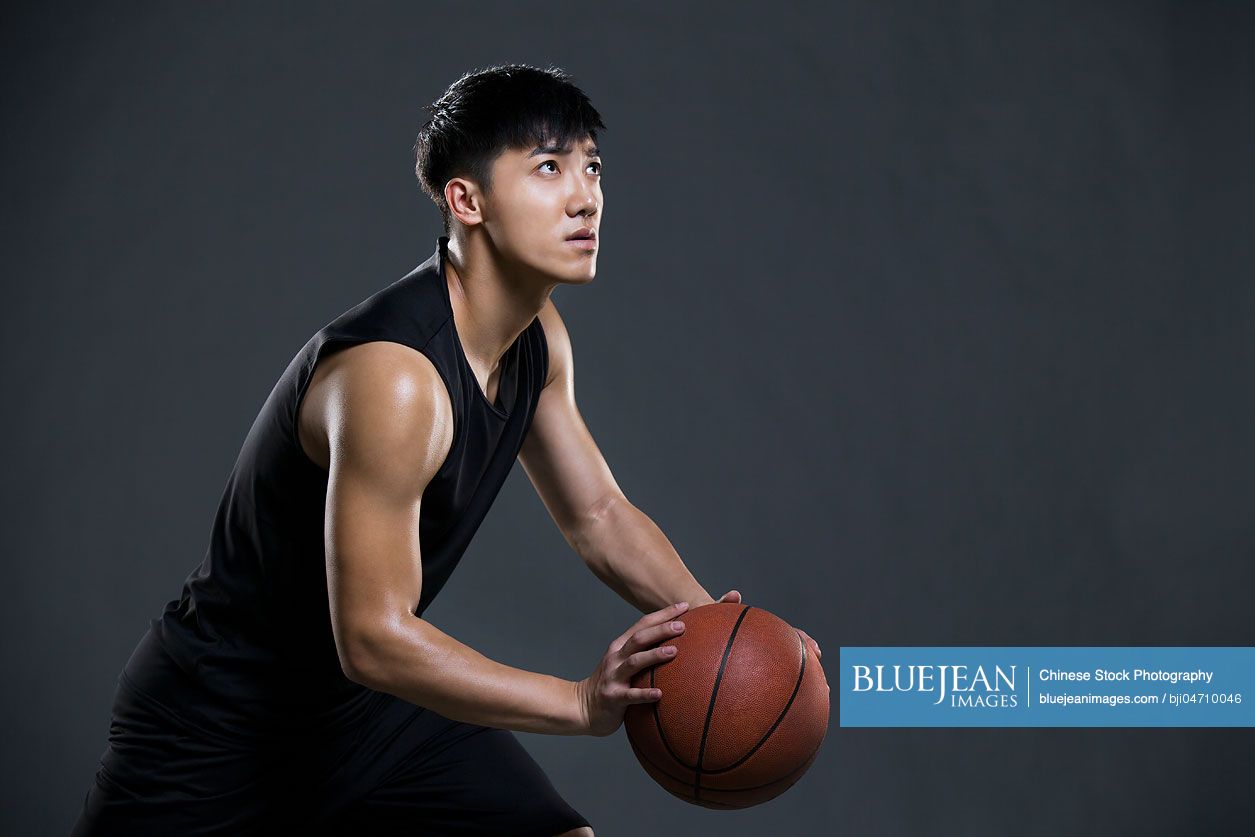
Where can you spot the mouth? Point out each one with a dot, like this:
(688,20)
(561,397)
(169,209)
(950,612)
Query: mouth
(583,234)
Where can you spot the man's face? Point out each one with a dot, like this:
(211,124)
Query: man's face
(541,197)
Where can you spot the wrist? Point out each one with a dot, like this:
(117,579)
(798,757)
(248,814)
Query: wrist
(576,707)
(703,598)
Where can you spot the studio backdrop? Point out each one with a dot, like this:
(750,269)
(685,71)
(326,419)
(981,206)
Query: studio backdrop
(919,324)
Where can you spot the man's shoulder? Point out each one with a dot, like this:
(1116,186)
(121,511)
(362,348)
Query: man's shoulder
(388,372)
(379,387)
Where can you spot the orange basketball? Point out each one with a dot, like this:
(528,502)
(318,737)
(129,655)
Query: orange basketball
(743,712)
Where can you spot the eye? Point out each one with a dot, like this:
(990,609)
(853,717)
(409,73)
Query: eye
(549,163)
(598,169)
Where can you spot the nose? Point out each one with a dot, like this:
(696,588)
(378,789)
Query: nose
(583,200)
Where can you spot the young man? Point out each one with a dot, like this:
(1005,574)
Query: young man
(295,684)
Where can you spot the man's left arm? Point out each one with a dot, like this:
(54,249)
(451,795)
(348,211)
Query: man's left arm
(619,543)
(616,540)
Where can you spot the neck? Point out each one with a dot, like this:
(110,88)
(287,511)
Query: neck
(493,302)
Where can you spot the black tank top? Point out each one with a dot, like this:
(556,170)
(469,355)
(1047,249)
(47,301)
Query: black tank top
(253,623)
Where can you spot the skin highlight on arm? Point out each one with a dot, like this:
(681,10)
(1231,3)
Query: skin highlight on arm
(380,415)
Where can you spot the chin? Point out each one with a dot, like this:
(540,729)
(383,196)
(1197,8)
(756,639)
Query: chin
(580,273)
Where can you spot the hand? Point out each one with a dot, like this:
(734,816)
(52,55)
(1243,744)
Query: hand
(606,694)
(735,597)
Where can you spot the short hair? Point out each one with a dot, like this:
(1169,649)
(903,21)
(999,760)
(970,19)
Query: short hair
(489,110)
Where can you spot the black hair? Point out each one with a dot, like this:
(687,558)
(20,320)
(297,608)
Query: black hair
(489,110)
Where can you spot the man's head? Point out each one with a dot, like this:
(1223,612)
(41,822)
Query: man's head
(512,152)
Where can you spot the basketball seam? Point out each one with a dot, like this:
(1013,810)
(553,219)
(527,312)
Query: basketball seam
(796,687)
(805,763)
(710,710)
(662,735)
(643,757)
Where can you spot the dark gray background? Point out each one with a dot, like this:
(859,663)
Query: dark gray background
(918,324)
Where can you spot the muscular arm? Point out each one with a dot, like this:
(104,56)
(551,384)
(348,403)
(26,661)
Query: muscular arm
(617,541)
(384,420)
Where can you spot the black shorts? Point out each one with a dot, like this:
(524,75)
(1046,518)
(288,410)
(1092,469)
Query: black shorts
(398,769)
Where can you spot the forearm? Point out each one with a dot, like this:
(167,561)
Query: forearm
(630,554)
(418,662)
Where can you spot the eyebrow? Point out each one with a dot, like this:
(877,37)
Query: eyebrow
(562,149)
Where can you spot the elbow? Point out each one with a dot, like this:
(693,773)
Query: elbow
(356,667)
(583,534)
(362,654)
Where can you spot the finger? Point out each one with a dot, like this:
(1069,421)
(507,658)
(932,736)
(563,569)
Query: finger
(642,695)
(733,596)
(644,659)
(812,643)
(647,637)
(649,619)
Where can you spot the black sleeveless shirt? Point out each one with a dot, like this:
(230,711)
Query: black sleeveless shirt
(253,623)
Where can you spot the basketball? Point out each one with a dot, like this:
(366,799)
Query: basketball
(743,712)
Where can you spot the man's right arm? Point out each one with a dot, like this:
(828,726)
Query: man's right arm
(388,427)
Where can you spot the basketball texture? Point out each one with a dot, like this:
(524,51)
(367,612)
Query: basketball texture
(743,712)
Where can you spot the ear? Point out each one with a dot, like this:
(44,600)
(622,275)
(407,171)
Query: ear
(464,200)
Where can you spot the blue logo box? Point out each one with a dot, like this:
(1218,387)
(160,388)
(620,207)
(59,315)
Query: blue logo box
(1042,686)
